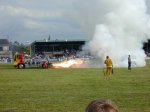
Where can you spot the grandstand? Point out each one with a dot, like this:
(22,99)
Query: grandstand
(57,47)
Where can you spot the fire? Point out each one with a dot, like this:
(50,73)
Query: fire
(69,63)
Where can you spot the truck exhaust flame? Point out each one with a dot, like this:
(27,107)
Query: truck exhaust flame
(73,63)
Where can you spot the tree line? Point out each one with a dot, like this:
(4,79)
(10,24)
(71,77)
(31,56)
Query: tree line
(19,47)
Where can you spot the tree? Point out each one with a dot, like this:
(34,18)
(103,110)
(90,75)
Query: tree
(17,47)
(16,43)
(49,38)
(27,49)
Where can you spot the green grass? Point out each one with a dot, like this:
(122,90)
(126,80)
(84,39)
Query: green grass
(70,90)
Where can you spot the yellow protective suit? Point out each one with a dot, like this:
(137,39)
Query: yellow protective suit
(109,65)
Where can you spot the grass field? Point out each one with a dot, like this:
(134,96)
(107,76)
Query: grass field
(70,90)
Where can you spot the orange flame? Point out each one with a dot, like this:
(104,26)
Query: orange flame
(69,63)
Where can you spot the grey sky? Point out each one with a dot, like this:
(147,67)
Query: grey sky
(29,20)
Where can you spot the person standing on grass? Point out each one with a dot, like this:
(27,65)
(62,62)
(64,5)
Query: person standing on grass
(129,62)
(102,105)
(109,65)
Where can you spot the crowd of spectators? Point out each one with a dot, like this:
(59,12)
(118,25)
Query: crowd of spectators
(5,60)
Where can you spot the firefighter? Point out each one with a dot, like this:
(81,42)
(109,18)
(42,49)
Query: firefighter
(109,65)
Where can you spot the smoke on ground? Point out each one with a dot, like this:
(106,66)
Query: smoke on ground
(116,28)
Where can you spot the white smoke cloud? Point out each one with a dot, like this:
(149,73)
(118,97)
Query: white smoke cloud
(116,28)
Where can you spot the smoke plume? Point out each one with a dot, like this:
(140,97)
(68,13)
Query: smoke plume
(116,28)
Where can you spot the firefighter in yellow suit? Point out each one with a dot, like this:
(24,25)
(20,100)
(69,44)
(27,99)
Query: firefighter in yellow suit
(109,65)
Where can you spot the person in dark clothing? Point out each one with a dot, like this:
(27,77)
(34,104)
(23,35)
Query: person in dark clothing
(129,62)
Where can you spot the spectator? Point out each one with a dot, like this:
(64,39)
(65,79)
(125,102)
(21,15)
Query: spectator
(101,105)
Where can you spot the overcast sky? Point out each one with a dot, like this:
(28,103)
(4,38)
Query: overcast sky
(30,20)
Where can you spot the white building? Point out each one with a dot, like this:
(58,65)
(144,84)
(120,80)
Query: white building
(5,51)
